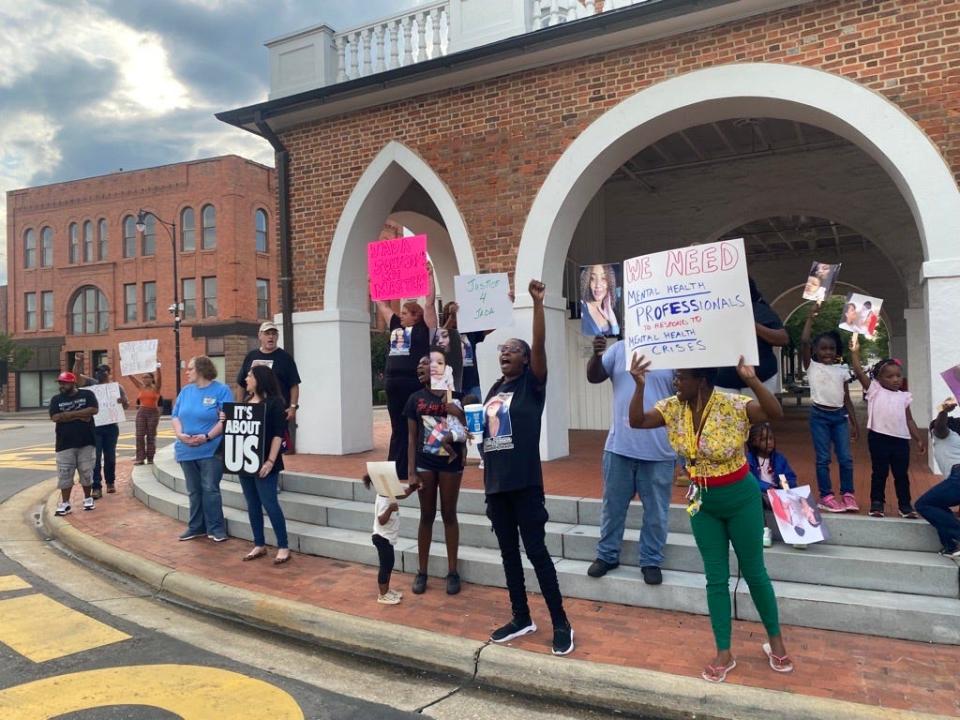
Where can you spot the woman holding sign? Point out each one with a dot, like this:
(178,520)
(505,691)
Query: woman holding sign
(148,414)
(708,429)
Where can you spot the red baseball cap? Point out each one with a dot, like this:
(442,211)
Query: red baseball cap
(66,377)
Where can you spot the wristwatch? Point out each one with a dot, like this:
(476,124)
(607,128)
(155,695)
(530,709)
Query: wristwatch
(207,436)
(294,406)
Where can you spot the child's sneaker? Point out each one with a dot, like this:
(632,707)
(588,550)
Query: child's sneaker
(800,546)
(563,640)
(876,509)
(767,537)
(88,503)
(909,513)
(513,629)
(388,598)
(830,504)
(62,508)
(850,503)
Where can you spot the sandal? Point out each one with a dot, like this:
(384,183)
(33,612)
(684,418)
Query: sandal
(281,560)
(777,663)
(254,554)
(717,673)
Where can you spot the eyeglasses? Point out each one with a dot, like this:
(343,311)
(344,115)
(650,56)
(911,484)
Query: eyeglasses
(509,349)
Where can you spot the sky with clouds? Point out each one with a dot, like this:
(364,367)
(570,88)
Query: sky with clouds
(90,86)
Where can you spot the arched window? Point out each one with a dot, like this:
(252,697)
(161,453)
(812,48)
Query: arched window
(88,312)
(46,244)
(74,243)
(209,218)
(29,248)
(129,236)
(149,246)
(102,240)
(88,241)
(260,222)
(188,230)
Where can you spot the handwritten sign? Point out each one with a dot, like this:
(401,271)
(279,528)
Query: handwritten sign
(484,302)
(138,356)
(244,437)
(398,268)
(108,398)
(690,307)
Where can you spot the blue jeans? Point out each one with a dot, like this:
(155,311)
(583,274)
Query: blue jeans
(203,486)
(106,438)
(828,427)
(934,505)
(624,477)
(262,494)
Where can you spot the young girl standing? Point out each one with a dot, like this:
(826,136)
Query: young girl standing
(832,418)
(890,426)
(386,530)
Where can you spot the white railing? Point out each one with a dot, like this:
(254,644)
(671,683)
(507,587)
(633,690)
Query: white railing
(393,42)
(547,13)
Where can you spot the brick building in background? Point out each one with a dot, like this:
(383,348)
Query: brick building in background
(81,278)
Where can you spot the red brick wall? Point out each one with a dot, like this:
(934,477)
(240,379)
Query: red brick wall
(493,143)
(236,187)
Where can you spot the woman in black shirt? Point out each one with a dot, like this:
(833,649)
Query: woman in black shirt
(513,480)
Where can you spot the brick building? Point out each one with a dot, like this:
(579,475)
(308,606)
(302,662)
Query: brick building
(530,137)
(81,278)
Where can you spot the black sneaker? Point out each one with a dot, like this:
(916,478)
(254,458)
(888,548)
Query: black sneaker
(909,513)
(513,629)
(599,568)
(652,575)
(453,583)
(218,538)
(189,535)
(876,509)
(563,640)
(420,583)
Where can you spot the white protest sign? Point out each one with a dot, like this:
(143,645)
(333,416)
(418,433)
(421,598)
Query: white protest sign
(484,302)
(138,356)
(108,398)
(690,307)
(383,475)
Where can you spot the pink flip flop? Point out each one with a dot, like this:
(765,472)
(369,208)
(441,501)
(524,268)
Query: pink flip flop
(778,664)
(717,673)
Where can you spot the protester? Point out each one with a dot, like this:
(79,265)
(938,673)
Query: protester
(768,466)
(196,424)
(148,414)
(386,532)
(447,338)
(260,491)
(709,429)
(513,480)
(410,333)
(107,434)
(890,426)
(72,410)
(634,463)
(435,470)
(935,505)
(833,419)
(598,301)
(284,368)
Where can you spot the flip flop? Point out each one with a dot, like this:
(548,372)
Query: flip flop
(253,555)
(717,673)
(778,664)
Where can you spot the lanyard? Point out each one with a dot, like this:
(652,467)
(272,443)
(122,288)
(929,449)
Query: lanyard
(693,442)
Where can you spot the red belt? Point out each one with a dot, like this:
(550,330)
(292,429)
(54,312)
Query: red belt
(721,480)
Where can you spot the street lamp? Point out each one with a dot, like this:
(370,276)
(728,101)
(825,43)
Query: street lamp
(176,308)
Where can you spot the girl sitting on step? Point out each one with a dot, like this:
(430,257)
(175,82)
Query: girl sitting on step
(767,465)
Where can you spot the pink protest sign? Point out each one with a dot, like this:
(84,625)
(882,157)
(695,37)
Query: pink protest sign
(398,268)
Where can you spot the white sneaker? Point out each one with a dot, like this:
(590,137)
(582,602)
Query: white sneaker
(480,466)
(388,598)
(800,546)
(62,508)
(767,537)
(88,503)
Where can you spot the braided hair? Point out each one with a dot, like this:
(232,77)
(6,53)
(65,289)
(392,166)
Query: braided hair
(759,435)
(878,368)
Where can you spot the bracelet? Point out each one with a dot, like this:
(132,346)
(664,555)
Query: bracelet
(272,462)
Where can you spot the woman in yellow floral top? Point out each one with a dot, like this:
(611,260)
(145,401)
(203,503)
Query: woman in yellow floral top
(709,428)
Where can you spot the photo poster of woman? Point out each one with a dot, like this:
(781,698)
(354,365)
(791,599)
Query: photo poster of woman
(797,516)
(952,378)
(601,292)
(861,314)
(820,281)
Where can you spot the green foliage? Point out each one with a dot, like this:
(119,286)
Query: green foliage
(379,345)
(829,319)
(17,355)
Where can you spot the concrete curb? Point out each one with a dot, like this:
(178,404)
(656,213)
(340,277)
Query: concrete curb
(621,689)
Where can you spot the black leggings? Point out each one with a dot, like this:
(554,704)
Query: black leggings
(399,389)
(889,454)
(385,553)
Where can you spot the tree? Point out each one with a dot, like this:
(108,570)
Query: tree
(15,354)
(829,319)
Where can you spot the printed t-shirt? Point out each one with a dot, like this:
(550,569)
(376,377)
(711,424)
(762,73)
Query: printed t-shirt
(198,409)
(720,449)
(887,410)
(74,433)
(282,364)
(511,434)
(767,367)
(946,451)
(471,372)
(827,383)
(430,413)
(623,439)
(407,346)
(275,424)
(391,530)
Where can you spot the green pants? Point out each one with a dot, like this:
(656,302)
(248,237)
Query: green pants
(734,514)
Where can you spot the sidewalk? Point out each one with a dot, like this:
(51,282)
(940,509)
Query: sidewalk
(629,644)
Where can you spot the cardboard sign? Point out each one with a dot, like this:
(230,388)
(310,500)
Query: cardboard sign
(600,288)
(861,314)
(108,398)
(797,516)
(138,357)
(820,281)
(244,437)
(690,307)
(952,378)
(484,302)
(398,268)
(384,477)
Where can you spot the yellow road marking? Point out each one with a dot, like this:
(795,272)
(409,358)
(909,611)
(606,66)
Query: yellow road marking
(40,628)
(12,582)
(42,457)
(189,691)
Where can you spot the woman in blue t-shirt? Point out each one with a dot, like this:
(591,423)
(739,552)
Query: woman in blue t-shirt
(196,424)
